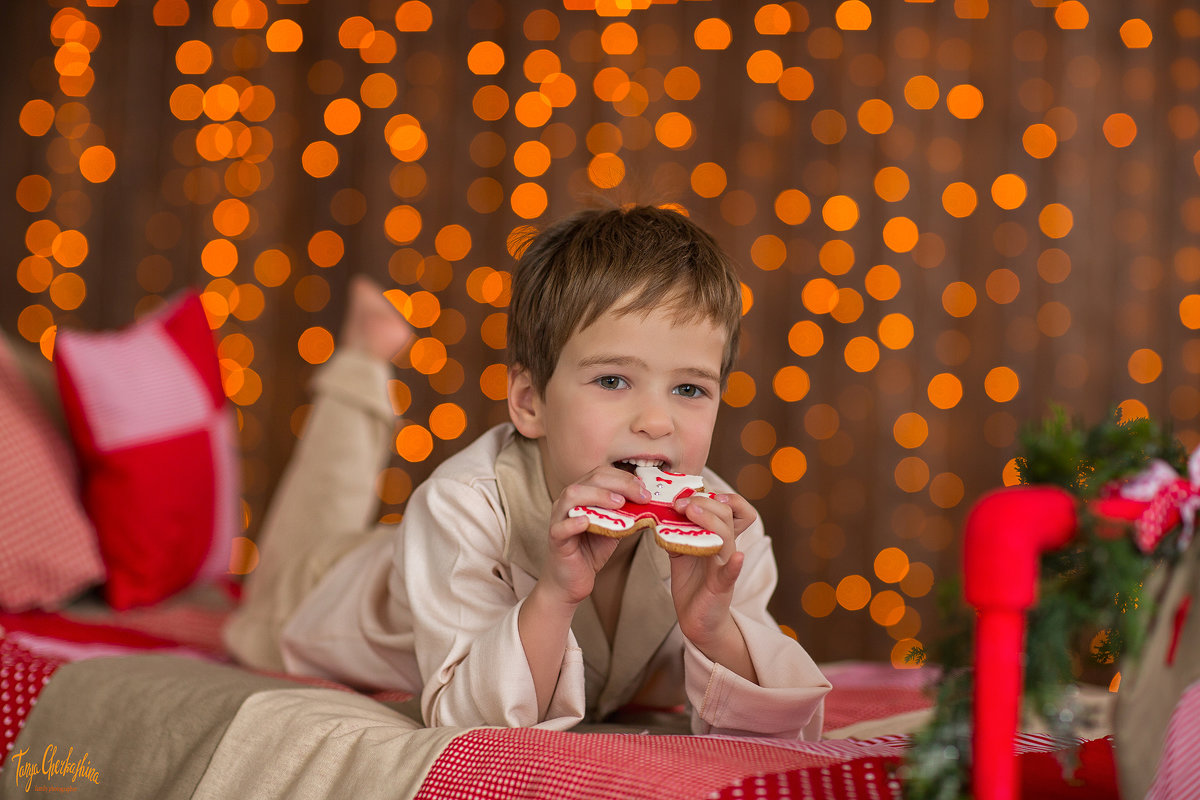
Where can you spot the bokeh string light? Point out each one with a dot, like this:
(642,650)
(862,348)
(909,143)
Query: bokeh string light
(947,216)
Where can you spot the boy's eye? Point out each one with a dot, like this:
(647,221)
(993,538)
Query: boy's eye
(611,382)
(689,390)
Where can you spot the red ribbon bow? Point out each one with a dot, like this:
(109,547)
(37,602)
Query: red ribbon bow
(1156,500)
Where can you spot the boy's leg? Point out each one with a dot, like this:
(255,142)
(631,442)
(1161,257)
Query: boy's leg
(326,500)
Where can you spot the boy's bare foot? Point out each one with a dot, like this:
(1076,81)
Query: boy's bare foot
(372,324)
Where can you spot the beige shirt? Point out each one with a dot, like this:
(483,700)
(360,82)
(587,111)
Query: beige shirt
(430,606)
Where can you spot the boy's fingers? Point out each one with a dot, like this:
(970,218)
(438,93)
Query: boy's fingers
(743,513)
(727,573)
(616,480)
(710,514)
(567,528)
(715,516)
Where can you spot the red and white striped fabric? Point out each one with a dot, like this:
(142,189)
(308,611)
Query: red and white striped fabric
(48,550)
(155,436)
(1178,773)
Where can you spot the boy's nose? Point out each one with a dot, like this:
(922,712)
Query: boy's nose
(653,420)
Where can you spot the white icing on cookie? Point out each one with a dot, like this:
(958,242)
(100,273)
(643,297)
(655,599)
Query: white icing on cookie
(672,528)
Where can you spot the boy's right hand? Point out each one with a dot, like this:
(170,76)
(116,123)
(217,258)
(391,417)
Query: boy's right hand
(574,556)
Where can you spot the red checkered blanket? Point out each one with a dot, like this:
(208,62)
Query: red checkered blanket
(164,684)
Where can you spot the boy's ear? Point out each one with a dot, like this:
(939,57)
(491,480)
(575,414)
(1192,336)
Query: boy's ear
(525,405)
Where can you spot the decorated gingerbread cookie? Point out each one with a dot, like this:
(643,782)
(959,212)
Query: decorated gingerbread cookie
(673,531)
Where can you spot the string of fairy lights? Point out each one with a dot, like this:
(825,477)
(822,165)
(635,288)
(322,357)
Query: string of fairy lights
(842,259)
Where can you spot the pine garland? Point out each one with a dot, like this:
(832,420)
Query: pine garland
(1088,592)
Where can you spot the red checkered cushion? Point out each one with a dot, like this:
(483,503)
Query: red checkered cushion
(23,673)
(155,439)
(48,549)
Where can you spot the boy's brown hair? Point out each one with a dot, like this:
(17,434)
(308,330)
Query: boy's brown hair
(578,268)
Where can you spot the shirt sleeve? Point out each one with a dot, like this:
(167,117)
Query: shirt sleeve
(464,613)
(788,700)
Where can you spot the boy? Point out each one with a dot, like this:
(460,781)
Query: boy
(488,599)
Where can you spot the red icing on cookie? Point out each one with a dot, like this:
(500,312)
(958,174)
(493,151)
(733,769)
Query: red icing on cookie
(660,510)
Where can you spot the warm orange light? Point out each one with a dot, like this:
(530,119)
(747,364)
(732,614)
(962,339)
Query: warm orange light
(171,13)
(402,224)
(708,179)
(378,90)
(319,159)
(529,200)
(861,354)
(1001,384)
(619,39)
(682,83)
(1071,15)
(959,299)
(284,36)
(674,130)
(900,234)
(895,331)
(739,390)
(558,88)
(342,116)
(840,212)
(1145,365)
(97,163)
(485,58)
(921,92)
(959,199)
(836,257)
(713,34)
(788,464)
(828,126)
(1056,220)
(533,109)
(1136,34)
(806,337)
(882,282)
(945,390)
(67,291)
(1039,140)
(36,117)
(768,252)
(791,384)
(772,19)
(819,599)
(1120,130)
(1009,191)
(965,101)
(796,83)
(819,296)
(853,592)
(875,116)
(414,443)
(193,57)
(911,474)
(853,15)
(490,103)
(764,66)
(413,16)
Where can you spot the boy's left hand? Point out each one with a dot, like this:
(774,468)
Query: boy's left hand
(702,587)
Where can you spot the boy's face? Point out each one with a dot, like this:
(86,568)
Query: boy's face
(630,388)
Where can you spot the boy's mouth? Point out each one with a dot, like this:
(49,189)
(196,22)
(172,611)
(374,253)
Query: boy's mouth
(630,465)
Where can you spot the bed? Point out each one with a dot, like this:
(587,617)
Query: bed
(114,682)
(144,704)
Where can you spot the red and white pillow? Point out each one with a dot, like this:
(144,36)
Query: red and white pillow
(48,549)
(156,444)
